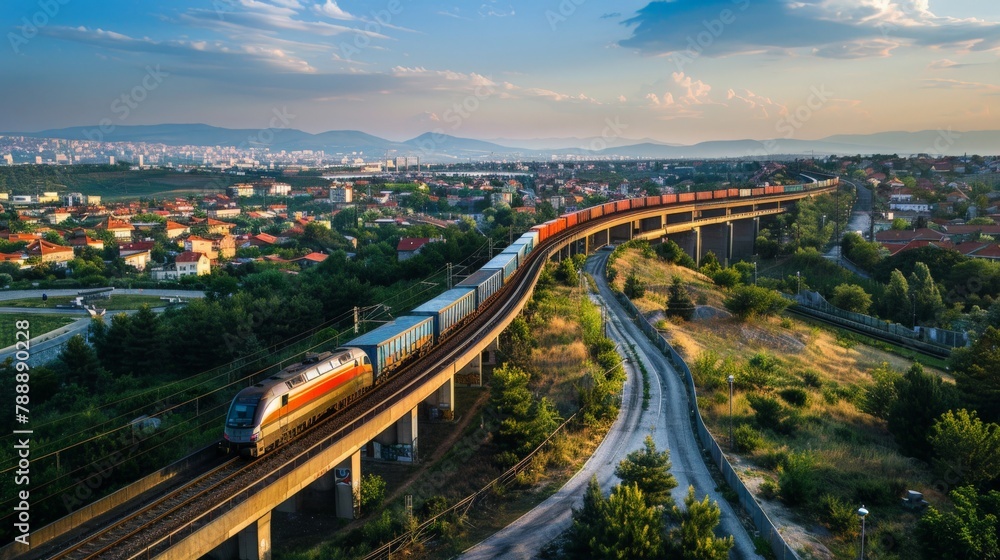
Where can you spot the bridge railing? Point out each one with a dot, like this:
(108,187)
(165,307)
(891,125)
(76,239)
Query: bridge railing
(765,527)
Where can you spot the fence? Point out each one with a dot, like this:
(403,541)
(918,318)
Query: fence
(764,526)
(941,338)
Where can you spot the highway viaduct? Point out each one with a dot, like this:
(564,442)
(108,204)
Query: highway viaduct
(239,527)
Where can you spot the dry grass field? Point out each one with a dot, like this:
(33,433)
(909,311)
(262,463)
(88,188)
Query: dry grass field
(818,379)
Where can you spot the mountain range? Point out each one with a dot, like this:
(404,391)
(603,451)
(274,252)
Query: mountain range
(439,147)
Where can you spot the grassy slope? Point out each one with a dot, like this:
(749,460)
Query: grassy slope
(855,456)
(40,324)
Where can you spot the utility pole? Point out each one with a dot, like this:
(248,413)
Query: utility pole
(356,319)
(449,276)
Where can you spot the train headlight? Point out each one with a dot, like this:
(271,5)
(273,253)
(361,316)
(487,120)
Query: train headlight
(255,436)
(225,436)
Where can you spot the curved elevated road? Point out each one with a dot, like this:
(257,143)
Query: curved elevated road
(667,420)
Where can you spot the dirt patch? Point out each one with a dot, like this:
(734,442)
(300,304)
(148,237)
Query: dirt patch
(704,312)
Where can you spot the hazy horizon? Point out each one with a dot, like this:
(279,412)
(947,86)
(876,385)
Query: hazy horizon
(679,72)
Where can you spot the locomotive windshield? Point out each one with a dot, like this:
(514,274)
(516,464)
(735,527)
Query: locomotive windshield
(241,414)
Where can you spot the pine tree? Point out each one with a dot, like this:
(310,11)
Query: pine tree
(81,364)
(695,538)
(925,297)
(679,303)
(649,470)
(896,303)
(632,529)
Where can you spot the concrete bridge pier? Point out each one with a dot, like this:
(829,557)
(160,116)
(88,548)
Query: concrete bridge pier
(690,241)
(398,442)
(744,237)
(347,480)
(598,238)
(444,399)
(255,540)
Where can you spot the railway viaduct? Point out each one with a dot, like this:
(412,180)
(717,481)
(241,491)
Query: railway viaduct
(239,526)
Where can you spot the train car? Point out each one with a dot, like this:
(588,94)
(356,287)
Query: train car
(448,309)
(793,188)
(653,201)
(771,189)
(685,197)
(732,193)
(622,205)
(272,411)
(530,239)
(638,202)
(720,194)
(541,232)
(608,208)
(758,191)
(570,219)
(519,249)
(668,199)
(745,192)
(505,262)
(703,195)
(484,283)
(596,212)
(394,342)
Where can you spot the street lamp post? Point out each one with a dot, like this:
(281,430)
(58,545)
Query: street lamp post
(732,445)
(798,283)
(754,273)
(862,513)
(823,226)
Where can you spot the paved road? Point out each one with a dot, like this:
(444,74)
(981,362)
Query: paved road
(46,347)
(667,420)
(859,221)
(24,294)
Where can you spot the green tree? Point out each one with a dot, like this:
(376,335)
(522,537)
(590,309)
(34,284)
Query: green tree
(81,365)
(967,447)
(878,397)
(921,399)
(851,297)
(649,470)
(679,303)
(924,293)
(710,264)
(371,492)
(896,303)
(632,529)
(694,538)
(634,287)
(727,278)
(977,373)
(509,392)
(747,302)
(586,525)
(967,532)
(566,273)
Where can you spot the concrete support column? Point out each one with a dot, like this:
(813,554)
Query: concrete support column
(406,434)
(697,245)
(348,482)
(471,373)
(443,400)
(255,540)
(729,243)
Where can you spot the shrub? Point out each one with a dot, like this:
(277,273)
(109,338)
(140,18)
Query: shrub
(769,489)
(839,516)
(747,302)
(769,414)
(795,396)
(811,378)
(747,439)
(773,459)
(797,479)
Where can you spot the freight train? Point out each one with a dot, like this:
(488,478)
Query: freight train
(274,410)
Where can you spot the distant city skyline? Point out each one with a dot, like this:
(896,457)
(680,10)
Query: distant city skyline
(683,71)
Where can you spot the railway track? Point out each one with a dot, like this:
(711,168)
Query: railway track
(149,529)
(105,540)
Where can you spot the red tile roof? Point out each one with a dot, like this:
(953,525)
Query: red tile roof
(412,243)
(189,256)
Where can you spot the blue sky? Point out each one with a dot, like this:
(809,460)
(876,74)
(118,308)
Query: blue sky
(681,71)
